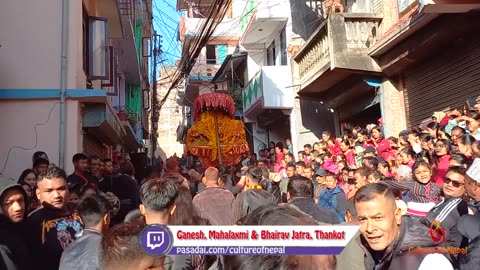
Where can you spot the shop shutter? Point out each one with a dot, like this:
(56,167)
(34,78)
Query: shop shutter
(91,146)
(446,80)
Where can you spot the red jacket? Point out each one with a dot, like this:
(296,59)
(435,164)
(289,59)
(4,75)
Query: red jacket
(350,157)
(335,149)
(441,170)
(384,150)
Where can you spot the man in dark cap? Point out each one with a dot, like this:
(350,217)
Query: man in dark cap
(319,183)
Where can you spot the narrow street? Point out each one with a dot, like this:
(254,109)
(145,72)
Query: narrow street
(128,121)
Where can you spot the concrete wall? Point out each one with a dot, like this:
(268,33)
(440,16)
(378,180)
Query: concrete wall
(255,61)
(260,139)
(31,46)
(279,133)
(30,59)
(277,90)
(20,131)
(311,119)
(273,8)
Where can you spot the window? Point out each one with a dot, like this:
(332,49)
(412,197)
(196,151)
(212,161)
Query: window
(271,55)
(98,43)
(283,47)
(221,53)
(211,54)
(85,40)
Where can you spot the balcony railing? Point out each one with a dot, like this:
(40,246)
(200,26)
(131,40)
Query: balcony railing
(315,53)
(127,9)
(339,42)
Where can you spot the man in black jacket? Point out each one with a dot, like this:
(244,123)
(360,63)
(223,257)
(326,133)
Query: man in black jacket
(270,186)
(82,254)
(253,197)
(13,249)
(300,194)
(51,228)
(390,241)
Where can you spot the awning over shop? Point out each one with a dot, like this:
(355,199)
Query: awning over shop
(130,140)
(350,89)
(225,71)
(100,121)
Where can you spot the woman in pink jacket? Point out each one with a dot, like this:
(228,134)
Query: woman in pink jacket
(381,144)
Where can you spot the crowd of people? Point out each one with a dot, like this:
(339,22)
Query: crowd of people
(415,192)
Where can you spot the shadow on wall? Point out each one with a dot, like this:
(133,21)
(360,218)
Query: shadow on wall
(304,18)
(316,118)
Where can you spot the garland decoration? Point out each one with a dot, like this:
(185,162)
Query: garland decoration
(254,187)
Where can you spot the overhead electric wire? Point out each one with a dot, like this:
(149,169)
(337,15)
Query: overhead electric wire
(199,39)
(169,32)
(217,12)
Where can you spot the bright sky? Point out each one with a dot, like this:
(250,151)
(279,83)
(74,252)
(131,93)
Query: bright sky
(165,23)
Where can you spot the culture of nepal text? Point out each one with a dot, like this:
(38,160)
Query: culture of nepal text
(262,235)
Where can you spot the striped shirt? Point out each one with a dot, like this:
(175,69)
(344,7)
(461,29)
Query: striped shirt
(421,193)
(448,213)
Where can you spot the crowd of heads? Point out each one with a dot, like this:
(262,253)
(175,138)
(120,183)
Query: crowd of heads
(360,177)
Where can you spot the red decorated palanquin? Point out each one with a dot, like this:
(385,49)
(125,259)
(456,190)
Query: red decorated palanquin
(202,136)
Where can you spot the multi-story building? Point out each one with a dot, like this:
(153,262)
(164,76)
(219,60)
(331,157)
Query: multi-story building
(430,58)
(390,59)
(332,67)
(99,63)
(222,42)
(260,69)
(171,116)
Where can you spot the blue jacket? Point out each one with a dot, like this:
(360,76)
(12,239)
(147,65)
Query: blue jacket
(335,200)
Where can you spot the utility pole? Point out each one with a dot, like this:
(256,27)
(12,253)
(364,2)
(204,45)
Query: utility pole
(155,112)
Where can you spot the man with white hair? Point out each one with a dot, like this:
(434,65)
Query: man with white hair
(469,225)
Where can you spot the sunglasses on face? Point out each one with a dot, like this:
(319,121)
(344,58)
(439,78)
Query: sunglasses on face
(455,184)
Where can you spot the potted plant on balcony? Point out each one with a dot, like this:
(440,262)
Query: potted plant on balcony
(122,114)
